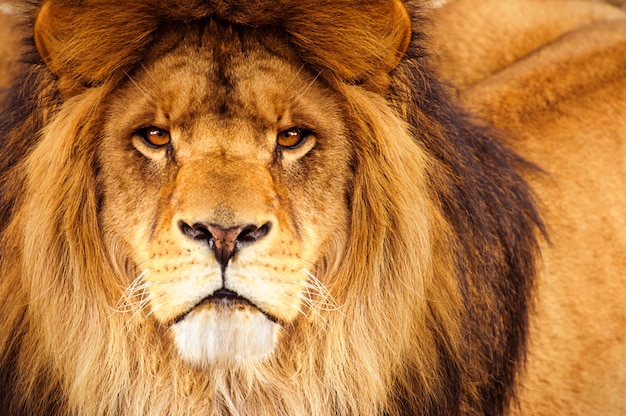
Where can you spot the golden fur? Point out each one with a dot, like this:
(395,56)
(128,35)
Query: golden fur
(558,78)
(9,48)
(384,264)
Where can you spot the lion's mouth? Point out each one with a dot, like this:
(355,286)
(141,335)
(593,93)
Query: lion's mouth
(226,298)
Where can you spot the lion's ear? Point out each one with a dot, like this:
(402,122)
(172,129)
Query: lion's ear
(402,36)
(44,38)
(359,41)
(399,38)
(54,40)
(82,44)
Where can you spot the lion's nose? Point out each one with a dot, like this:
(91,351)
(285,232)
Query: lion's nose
(224,241)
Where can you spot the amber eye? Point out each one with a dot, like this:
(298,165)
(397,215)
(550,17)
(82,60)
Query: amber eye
(292,138)
(154,136)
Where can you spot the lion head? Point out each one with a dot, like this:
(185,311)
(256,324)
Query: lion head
(232,191)
(249,208)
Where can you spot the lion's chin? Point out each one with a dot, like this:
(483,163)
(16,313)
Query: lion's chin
(216,334)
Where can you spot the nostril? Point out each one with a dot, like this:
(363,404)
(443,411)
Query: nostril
(196,232)
(252,233)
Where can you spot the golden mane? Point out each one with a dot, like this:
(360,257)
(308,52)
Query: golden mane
(437,274)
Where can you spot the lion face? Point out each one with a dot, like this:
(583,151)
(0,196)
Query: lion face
(224,171)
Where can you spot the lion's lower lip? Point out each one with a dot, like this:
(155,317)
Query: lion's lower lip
(226,299)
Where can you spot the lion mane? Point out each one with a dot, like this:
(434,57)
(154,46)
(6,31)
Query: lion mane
(424,308)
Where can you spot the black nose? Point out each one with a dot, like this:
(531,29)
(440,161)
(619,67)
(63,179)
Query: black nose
(225,242)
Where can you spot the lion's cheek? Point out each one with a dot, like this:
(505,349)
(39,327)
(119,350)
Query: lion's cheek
(225,336)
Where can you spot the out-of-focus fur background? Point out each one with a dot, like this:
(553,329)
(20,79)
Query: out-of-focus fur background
(618,3)
(8,44)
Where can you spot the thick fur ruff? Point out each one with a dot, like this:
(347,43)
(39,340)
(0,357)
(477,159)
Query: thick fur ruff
(436,275)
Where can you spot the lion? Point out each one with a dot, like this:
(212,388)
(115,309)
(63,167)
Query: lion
(294,208)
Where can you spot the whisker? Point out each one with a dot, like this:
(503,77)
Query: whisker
(316,298)
(133,295)
(295,77)
(309,86)
(314,287)
(156,83)
(136,85)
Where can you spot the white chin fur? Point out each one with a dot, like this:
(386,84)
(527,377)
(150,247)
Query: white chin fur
(229,336)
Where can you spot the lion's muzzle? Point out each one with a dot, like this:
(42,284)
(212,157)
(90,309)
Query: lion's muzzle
(224,241)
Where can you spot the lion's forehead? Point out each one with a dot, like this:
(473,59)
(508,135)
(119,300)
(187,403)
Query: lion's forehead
(206,84)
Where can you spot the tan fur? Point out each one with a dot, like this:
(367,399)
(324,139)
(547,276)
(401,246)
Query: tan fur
(397,266)
(9,47)
(529,26)
(560,83)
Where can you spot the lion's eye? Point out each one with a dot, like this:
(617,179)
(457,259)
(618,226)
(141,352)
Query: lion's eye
(154,136)
(292,138)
